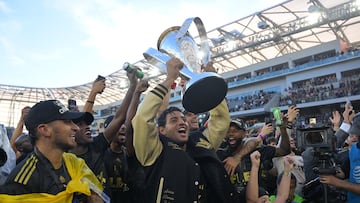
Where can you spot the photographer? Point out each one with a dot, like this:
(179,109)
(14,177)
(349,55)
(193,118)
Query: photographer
(350,168)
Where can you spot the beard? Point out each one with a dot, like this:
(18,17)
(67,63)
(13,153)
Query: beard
(65,146)
(233,147)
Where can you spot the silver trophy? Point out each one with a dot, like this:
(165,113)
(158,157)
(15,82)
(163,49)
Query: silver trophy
(204,90)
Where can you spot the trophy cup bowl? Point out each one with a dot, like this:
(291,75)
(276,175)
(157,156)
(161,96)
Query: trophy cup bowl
(204,90)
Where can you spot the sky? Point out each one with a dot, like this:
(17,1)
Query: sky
(64,43)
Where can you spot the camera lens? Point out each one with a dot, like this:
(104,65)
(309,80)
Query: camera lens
(3,157)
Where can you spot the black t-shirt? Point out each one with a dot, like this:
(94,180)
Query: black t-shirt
(117,174)
(94,158)
(125,177)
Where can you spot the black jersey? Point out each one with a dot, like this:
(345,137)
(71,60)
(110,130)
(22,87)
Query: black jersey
(35,174)
(94,157)
(117,175)
(242,171)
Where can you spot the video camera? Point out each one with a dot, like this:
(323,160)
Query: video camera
(323,162)
(3,157)
(319,137)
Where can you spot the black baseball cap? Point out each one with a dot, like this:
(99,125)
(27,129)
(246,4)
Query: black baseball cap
(239,123)
(51,110)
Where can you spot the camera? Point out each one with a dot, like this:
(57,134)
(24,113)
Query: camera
(319,137)
(322,141)
(321,160)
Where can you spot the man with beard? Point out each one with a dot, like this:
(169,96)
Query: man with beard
(236,155)
(92,149)
(44,176)
(178,166)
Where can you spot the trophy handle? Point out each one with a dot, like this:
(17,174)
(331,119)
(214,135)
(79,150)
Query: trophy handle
(204,46)
(159,59)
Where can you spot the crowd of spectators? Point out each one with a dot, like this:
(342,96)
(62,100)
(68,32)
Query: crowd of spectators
(321,90)
(247,102)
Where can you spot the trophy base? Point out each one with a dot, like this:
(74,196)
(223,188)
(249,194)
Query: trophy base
(204,92)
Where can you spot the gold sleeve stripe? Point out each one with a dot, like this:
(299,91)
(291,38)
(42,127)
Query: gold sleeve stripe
(30,173)
(161,90)
(157,94)
(24,166)
(26,170)
(164,88)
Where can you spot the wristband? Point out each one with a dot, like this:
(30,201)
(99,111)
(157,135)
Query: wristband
(260,135)
(91,102)
(288,174)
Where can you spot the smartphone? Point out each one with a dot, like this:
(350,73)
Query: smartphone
(72,105)
(100,78)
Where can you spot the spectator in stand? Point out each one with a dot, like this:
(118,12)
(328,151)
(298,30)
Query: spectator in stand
(50,174)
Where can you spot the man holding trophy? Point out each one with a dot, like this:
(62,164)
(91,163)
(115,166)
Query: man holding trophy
(181,166)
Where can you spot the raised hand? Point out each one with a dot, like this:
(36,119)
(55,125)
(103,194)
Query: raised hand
(142,86)
(173,67)
(292,112)
(98,86)
(255,159)
(335,120)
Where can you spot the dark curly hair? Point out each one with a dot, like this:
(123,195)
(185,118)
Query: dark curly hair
(161,121)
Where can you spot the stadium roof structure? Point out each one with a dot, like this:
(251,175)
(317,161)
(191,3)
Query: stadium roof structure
(285,28)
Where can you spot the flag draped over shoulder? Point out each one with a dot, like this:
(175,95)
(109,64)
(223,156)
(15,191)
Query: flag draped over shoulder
(82,180)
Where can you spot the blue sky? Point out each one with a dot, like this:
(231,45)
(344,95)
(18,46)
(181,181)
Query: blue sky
(62,43)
